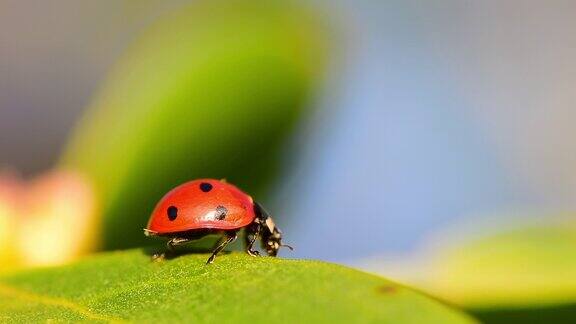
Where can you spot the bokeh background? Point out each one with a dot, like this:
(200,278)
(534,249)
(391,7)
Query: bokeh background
(378,133)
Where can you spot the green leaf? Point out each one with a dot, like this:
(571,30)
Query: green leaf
(211,90)
(526,273)
(129,286)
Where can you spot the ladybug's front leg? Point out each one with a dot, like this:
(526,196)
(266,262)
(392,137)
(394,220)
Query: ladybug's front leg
(229,238)
(252,234)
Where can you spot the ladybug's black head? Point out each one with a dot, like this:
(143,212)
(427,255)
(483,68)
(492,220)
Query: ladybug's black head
(271,235)
(272,241)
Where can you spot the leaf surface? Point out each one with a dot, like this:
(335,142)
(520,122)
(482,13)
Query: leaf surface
(128,286)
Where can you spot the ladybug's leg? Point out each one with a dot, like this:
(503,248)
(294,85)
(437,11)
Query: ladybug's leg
(170,246)
(176,241)
(252,234)
(229,238)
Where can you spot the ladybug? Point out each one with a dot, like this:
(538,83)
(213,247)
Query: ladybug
(207,206)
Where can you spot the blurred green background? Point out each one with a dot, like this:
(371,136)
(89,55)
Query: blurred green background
(428,142)
(217,101)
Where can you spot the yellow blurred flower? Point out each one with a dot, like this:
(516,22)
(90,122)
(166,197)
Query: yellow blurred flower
(49,220)
(9,191)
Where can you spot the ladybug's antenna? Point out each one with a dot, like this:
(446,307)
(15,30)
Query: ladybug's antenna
(288,246)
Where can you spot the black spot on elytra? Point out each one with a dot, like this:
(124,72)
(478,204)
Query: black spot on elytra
(221,212)
(205,186)
(172,213)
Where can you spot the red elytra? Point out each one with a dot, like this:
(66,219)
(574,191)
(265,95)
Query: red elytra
(201,204)
(208,206)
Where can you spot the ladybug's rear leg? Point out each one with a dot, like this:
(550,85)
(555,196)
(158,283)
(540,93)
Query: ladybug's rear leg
(170,246)
(229,238)
(176,241)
